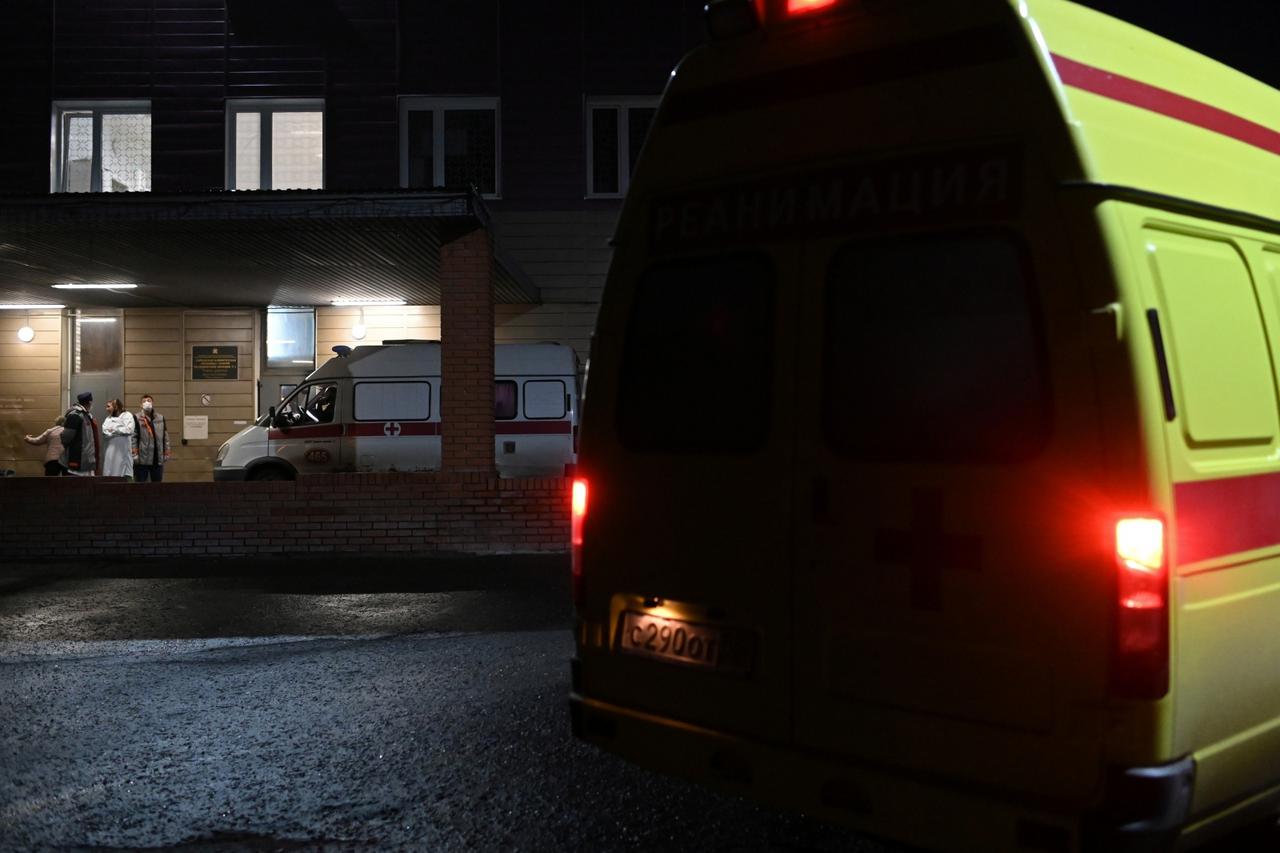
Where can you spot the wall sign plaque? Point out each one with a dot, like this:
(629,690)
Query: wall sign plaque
(220,362)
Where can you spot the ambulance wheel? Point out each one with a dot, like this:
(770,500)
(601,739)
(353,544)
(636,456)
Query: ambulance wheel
(269,472)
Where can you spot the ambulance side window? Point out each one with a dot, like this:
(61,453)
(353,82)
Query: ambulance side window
(392,401)
(933,351)
(697,363)
(311,404)
(504,400)
(545,399)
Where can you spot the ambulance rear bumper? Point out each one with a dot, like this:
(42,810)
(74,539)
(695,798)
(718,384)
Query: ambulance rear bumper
(906,808)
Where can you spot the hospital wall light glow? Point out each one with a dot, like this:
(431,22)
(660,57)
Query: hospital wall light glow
(94,286)
(355,302)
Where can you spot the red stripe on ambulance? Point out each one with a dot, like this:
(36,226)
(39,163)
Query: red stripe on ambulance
(1117,87)
(383,429)
(1227,516)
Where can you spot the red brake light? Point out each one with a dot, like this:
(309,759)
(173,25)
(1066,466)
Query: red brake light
(577,515)
(1142,609)
(804,7)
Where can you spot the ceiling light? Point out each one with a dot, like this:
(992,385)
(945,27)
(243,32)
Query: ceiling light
(16,306)
(26,334)
(352,302)
(94,286)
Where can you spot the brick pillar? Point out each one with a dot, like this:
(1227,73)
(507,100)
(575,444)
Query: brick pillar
(466,338)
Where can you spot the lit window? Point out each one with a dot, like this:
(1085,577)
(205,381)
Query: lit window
(291,338)
(97,344)
(616,128)
(450,143)
(275,145)
(102,146)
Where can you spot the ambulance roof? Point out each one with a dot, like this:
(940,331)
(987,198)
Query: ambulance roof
(1149,114)
(423,359)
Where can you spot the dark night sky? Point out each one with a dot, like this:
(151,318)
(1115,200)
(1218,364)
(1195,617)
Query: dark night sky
(1240,33)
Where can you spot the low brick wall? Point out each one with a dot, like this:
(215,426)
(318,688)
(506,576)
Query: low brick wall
(59,518)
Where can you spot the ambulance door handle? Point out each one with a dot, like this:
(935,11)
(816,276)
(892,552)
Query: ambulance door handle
(820,500)
(1162,364)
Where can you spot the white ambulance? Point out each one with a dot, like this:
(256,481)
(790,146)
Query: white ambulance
(377,408)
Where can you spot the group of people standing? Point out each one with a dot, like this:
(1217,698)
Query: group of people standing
(131,445)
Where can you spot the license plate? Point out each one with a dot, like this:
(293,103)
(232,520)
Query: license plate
(671,640)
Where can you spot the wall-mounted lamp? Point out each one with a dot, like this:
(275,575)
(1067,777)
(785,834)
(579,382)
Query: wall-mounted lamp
(358,331)
(26,334)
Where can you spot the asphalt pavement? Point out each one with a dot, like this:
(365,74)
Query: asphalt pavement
(324,705)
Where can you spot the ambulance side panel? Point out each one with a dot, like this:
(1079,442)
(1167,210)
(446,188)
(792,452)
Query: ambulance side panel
(395,424)
(1214,289)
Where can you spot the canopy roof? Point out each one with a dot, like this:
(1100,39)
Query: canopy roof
(304,247)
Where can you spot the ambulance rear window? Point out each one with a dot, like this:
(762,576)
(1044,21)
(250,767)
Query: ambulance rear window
(933,351)
(697,365)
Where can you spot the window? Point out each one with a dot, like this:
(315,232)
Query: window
(102,146)
(291,338)
(932,351)
(450,142)
(504,400)
(275,145)
(544,399)
(311,404)
(699,343)
(97,345)
(616,128)
(393,401)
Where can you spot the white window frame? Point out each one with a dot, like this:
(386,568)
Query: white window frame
(623,107)
(98,109)
(439,105)
(265,107)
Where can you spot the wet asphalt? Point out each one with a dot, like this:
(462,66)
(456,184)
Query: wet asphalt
(324,706)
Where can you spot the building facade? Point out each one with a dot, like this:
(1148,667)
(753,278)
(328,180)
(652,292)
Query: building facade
(273,178)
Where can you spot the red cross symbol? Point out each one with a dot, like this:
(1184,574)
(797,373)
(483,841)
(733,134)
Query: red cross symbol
(927,551)
(391,428)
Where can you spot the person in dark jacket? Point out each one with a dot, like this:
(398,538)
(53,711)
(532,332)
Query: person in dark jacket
(80,442)
(150,443)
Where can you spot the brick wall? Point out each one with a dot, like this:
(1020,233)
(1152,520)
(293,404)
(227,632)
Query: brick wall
(403,514)
(466,337)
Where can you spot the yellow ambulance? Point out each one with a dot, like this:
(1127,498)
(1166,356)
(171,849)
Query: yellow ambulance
(930,465)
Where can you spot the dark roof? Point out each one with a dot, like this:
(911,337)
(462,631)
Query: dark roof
(295,247)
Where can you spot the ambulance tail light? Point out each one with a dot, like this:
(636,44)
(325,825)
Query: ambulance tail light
(1140,658)
(807,7)
(577,516)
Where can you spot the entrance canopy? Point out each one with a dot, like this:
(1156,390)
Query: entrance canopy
(240,249)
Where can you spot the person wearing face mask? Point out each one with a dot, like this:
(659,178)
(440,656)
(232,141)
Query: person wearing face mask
(150,443)
(80,441)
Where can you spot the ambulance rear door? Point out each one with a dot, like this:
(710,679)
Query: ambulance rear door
(689,455)
(951,584)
